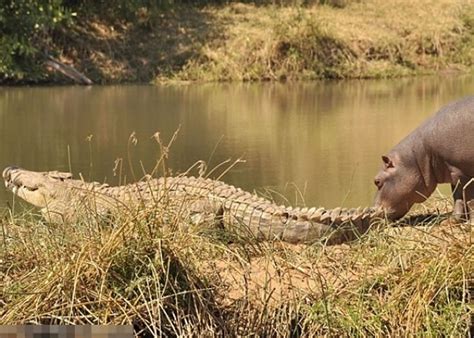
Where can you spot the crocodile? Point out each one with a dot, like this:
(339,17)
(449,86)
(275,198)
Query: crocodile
(64,199)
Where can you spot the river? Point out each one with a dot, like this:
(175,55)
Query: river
(315,143)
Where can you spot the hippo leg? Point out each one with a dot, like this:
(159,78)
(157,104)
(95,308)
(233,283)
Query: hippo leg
(463,194)
(469,199)
(470,206)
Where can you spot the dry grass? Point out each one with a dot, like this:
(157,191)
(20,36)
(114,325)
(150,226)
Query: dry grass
(365,39)
(143,271)
(247,42)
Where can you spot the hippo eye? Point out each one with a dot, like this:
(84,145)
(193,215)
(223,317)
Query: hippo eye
(378,183)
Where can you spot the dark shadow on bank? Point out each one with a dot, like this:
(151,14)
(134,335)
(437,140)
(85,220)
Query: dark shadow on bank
(155,42)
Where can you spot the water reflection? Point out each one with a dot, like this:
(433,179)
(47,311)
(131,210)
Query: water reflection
(325,138)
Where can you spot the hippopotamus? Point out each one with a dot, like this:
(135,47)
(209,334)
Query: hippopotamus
(440,150)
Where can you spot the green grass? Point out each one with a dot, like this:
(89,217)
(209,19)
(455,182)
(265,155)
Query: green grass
(143,270)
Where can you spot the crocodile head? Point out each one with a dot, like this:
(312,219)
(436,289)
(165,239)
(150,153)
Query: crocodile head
(38,188)
(47,190)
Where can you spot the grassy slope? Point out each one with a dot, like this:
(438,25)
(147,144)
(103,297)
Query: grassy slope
(365,39)
(398,281)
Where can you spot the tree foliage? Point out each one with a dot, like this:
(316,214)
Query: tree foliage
(25,27)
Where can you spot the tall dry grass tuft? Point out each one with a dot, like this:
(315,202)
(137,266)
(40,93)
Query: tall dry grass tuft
(91,274)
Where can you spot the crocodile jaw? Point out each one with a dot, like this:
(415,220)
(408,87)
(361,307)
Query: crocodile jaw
(37,188)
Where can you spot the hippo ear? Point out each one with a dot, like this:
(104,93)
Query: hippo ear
(387,161)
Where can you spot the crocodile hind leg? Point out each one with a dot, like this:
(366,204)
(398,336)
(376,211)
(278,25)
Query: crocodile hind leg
(206,213)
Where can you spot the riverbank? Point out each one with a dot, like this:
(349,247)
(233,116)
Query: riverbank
(165,280)
(247,42)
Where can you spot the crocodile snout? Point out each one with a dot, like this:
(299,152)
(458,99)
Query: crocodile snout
(9,176)
(7,173)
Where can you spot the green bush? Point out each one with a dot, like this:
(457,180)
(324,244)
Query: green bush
(25,27)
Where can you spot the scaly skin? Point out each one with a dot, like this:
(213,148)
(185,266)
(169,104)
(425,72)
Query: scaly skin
(63,199)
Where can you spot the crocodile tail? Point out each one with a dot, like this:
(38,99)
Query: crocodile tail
(336,225)
(307,225)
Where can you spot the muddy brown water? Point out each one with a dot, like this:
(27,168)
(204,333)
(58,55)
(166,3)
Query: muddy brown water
(316,143)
